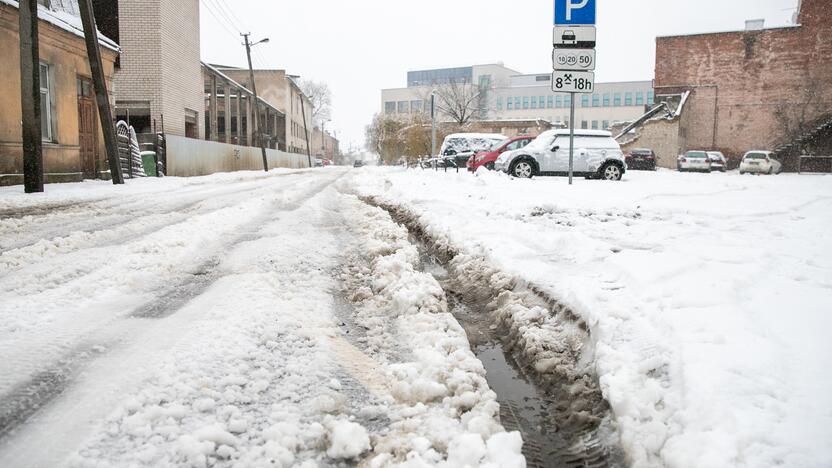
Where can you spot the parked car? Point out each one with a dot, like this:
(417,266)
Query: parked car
(597,156)
(694,161)
(641,159)
(760,162)
(358,163)
(488,158)
(718,161)
(462,146)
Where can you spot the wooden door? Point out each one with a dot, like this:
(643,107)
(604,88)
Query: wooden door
(87,128)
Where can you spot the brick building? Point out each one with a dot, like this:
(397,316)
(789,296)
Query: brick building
(158,78)
(73,143)
(752,89)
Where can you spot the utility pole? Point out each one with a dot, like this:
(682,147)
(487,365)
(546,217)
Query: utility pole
(433,130)
(102,97)
(30,97)
(305,130)
(256,100)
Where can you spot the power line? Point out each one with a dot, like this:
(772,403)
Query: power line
(219,20)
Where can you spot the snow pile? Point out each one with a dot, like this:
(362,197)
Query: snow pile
(703,299)
(443,411)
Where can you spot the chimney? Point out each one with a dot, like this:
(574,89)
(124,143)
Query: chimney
(755,24)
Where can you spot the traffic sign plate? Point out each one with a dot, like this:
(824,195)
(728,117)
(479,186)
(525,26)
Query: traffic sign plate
(564,81)
(574,37)
(573,59)
(573,12)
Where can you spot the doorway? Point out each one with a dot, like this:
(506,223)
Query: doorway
(87,128)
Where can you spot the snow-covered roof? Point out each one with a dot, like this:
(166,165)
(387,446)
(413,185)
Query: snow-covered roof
(67,21)
(582,132)
(238,85)
(484,136)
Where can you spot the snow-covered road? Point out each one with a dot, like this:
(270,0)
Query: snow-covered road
(233,320)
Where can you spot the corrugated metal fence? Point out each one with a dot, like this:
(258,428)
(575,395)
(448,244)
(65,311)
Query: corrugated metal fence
(187,157)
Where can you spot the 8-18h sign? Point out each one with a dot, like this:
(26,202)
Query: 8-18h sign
(564,81)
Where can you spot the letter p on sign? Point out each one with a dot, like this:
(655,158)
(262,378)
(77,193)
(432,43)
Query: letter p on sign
(575,12)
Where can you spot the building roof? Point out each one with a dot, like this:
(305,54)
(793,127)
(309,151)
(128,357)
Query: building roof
(66,21)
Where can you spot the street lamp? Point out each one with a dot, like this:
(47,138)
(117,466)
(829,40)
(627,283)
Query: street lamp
(257,125)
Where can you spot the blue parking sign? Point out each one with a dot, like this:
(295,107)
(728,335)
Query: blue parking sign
(575,12)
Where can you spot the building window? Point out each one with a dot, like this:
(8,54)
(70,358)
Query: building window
(606,100)
(567,100)
(500,104)
(510,104)
(559,102)
(45,103)
(585,100)
(650,98)
(639,98)
(628,99)
(596,100)
(517,103)
(584,124)
(550,101)
(403,107)
(390,107)
(525,102)
(541,99)
(595,125)
(534,102)
(617,100)
(606,124)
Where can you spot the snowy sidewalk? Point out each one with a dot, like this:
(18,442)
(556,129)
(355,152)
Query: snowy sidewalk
(707,297)
(253,320)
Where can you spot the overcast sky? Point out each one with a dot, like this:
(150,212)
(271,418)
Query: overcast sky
(362,46)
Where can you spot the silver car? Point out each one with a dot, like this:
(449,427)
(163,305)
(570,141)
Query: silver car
(760,162)
(718,161)
(597,156)
(694,161)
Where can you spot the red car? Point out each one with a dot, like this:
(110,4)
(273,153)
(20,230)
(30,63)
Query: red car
(488,158)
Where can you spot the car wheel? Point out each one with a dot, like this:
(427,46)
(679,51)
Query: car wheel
(522,169)
(490,166)
(611,171)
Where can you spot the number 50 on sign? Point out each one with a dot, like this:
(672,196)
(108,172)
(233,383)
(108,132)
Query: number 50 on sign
(573,82)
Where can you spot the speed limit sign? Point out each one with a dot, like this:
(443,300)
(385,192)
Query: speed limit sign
(574,59)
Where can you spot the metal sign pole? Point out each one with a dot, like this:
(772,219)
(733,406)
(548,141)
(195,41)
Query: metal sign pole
(571,135)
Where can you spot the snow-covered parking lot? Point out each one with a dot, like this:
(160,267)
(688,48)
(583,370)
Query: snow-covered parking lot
(707,296)
(324,318)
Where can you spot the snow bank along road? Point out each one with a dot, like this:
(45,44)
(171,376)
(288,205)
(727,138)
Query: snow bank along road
(233,320)
(701,302)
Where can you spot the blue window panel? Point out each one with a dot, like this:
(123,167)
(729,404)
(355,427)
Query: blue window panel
(639,98)
(510,104)
(517,103)
(596,100)
(585,100)
(559,102)
(550,102)
(534,102)
(567,101)
(606,100)
(617,99)
(650,98)
(525,102)
(628,99)
(499,103)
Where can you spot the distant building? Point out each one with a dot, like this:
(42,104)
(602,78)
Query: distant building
(73,144)
(324,145)
(753,89)
(282,91)
(506,94)
(158,81)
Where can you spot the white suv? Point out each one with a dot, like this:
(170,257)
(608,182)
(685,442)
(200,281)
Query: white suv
(597,156)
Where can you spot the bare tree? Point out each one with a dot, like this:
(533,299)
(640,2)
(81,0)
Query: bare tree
(321,98)
(459,100)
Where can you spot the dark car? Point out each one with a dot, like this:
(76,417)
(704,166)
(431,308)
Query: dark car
(358,164)
(641,159)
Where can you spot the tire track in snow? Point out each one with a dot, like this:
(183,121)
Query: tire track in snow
(26,398)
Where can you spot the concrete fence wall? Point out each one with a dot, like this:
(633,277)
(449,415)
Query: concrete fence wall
(187,157)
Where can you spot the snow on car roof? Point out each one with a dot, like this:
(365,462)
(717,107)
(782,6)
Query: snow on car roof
(485,136)
(581,132)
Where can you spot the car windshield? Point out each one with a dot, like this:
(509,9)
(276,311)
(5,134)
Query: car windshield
(697,154)
(756,156)
(542,142)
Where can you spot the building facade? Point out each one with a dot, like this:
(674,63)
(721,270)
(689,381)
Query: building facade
(324,145)
(283,92)
(158,81)
(751,89)
(73,143)
(505,94)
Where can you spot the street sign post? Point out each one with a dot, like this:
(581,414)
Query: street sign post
(573,58)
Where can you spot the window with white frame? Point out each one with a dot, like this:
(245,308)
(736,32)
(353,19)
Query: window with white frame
(45,102)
